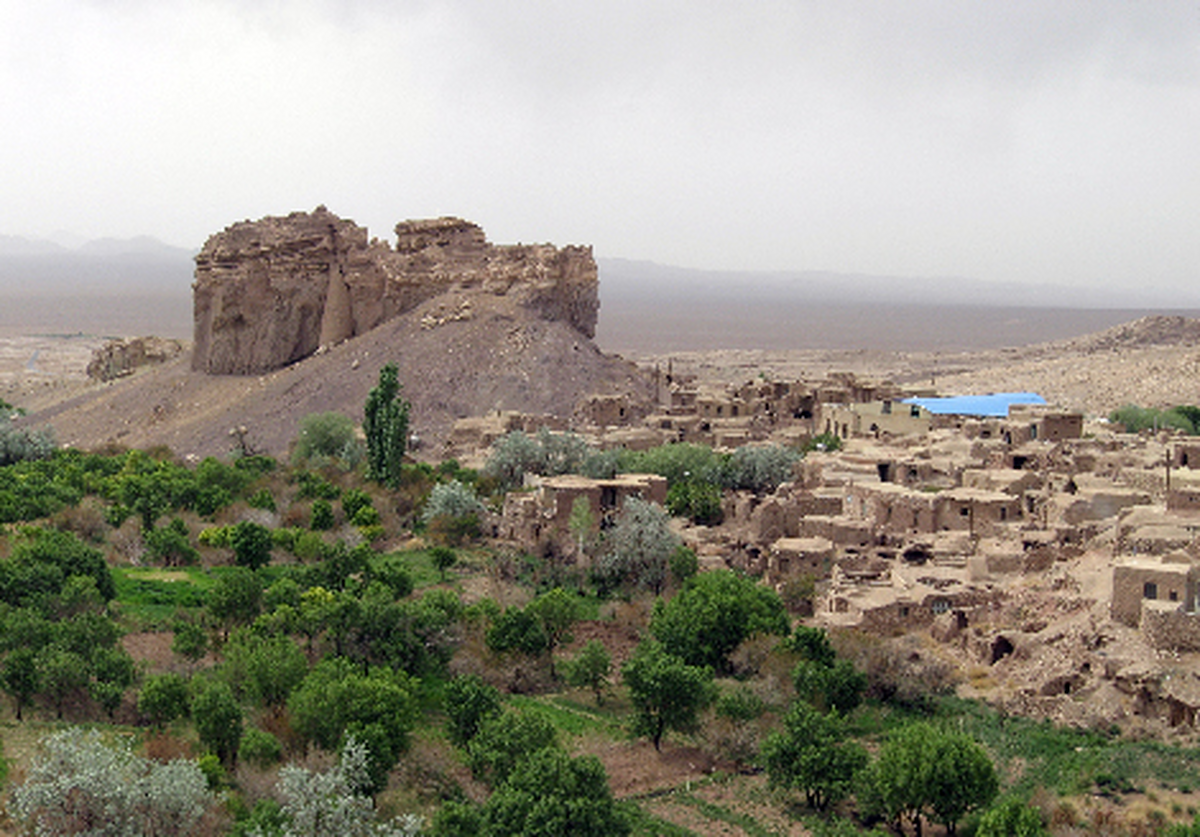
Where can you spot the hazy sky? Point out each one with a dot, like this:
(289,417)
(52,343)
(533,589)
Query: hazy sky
(1041,141)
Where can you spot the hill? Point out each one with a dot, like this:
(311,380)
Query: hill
(458,356)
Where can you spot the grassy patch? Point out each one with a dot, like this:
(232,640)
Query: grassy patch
(648,825)
(420,566)
(1037,754)
(571,718)
(720,813)
(152,596)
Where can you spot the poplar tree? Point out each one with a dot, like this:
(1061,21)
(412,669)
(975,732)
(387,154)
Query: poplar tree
(385,423)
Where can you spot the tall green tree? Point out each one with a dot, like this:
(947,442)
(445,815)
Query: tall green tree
(251,544)
(468,701)
(590,668)
(19,676)
(713,614)
(812,755)
(558,611)
(551,793)
(378,708)
(218,720)
(163,698)
(667,693)
(385,423)
(925,771)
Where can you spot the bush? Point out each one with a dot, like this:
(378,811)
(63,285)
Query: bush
(80,778)
(549,454)
(760,468)
(639,546)
(354,500)
(452,512)
(260,748)
(20,444)
(322,516)
(327,438)
(262,499)
(700,502)
(170,544)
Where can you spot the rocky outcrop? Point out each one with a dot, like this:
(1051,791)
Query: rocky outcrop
(272,292)
(118,358)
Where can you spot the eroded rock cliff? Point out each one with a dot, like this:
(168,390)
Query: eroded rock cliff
(271,292)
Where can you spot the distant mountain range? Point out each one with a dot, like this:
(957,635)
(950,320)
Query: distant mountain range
(103,267)
(627,280)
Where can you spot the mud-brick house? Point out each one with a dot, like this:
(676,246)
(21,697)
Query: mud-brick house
(1185,455)
(1184,498)
(976,510)
(893,509)
(1031,422)
(1169,580)
(900,599)
(875,418)
(542,517)
(610,411)
(799,556)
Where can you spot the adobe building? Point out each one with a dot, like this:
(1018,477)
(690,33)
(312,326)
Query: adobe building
(1140,579)
(541,520)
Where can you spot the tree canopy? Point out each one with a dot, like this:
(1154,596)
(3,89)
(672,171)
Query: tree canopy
(713,614)
(667,693)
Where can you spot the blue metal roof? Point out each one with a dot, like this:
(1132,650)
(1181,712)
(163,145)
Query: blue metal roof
(985,406)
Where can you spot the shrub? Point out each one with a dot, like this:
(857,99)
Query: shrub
(19,444)
(322,516)
(262,499)
(366,516)
(639,546)
(327,438)
(170,544)
(260,748)
(353,500)
(760,468)
(80,778)
(452,512)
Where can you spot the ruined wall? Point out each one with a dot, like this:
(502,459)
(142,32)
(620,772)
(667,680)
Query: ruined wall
(1167,627)
(120,357)
(271,292)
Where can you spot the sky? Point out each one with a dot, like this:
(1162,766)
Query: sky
(1025,141)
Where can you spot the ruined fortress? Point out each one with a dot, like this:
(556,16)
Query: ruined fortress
(272,292)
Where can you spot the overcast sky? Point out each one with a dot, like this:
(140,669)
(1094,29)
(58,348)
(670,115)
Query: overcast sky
(1034,142)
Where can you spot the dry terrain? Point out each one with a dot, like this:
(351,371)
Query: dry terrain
(1153,362)
(490,359)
